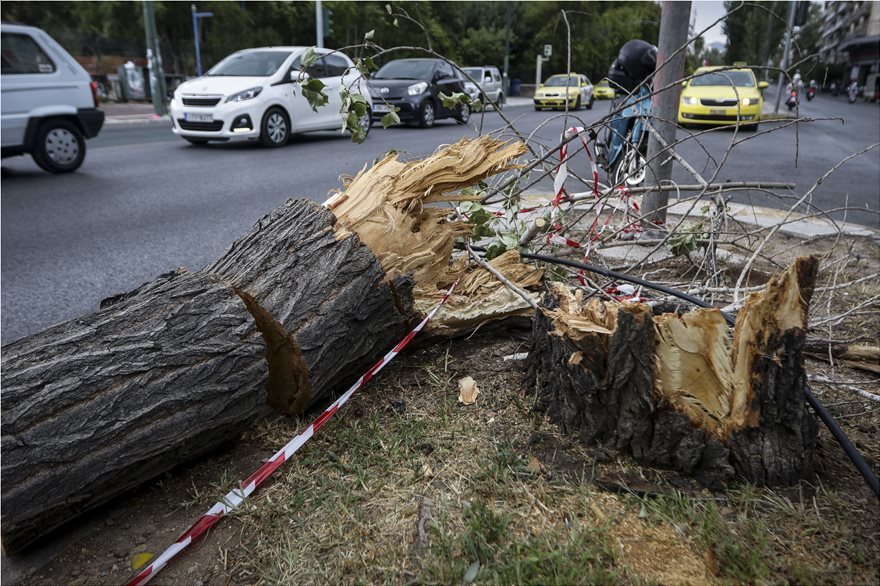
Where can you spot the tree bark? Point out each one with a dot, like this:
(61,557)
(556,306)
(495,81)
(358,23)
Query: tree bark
(674,391)
(97,405)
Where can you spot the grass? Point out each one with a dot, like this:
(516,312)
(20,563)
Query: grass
(406,486)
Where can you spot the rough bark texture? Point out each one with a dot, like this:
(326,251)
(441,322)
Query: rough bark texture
(97,405)
(675,391)
(602,389)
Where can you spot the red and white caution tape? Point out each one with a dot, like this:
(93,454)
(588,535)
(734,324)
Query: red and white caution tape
(237,495)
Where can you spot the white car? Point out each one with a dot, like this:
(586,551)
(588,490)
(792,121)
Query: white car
(49,102)
(255,94)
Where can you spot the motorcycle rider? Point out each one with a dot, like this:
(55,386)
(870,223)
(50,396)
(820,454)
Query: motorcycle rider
(853,90)
(630,73)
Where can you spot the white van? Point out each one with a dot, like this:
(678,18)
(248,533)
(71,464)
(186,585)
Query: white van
(49,102)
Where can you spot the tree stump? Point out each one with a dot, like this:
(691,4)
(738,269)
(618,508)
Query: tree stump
(675,391)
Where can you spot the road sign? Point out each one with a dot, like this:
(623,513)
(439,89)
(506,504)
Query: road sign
(548,50)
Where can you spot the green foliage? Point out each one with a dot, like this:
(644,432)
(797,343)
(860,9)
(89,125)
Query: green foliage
(390,119)
(686,239)
(754,31)
(313,92)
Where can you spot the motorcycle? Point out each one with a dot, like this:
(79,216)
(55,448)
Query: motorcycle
(853,92)
(792,101)
(623,156)
(811,93)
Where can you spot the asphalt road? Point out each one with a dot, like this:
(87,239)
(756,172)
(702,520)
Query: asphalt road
(146,202)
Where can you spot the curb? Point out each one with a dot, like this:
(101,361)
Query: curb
(135,119)
(798,225)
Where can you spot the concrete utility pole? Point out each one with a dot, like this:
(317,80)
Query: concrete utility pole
(792,9)
(506,77)
(154,60)
(319,24)
(674,20)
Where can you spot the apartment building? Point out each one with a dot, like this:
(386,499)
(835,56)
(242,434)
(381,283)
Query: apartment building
(851,36)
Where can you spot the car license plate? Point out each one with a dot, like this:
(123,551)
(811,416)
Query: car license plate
(381,108)
(718,112)
(198,117)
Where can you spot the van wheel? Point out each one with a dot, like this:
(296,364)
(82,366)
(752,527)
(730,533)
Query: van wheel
(275,128)
(499,102)
(60,147)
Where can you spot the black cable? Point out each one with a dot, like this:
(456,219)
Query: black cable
(854,455)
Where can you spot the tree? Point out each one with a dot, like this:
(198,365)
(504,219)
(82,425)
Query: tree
(754,31)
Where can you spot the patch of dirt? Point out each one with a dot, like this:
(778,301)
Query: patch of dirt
(407,485)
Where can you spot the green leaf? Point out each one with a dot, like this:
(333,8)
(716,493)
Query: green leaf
(390,119)
(313,92)
(369,35)
(395,22)
(480,216)
(510,241)
(495,250)
(388,8)
(308,57)
(466,206)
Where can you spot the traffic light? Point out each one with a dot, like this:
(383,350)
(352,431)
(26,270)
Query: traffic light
(327,20)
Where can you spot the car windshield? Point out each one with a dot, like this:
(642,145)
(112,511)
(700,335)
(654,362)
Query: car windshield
(474,72)
(406,70)
(562,81)
(603,83)
(739,79)
(250,64)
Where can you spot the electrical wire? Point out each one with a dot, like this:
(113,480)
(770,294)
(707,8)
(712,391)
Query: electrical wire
(839,435)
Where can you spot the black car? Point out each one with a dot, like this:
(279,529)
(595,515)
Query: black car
(414,86)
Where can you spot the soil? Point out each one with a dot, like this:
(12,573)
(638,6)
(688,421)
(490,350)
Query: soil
(104,547)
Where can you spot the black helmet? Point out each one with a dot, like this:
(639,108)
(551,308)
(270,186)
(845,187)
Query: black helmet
(635,63)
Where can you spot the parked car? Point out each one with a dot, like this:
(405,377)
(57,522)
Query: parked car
(603,90)
(413,87)
(489,81)
(255,94)
(574,89)
(717,96)
(49,102)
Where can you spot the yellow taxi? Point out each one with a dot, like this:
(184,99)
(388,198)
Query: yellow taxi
(573,88)
(721,95)
(603,90)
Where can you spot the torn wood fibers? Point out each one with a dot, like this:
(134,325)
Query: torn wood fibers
(675,390)
(296,309)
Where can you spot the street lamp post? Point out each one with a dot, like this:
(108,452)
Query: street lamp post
(196,16)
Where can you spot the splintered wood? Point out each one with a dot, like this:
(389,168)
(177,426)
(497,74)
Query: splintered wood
(715,404)
(389,207)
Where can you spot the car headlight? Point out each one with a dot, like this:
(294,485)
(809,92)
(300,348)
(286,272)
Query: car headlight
(749,101)
(690,100)
(248,94)
(417,88)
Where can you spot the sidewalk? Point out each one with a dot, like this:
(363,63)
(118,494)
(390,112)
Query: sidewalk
(129,113)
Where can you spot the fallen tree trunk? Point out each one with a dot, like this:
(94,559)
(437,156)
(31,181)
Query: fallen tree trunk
(97,405)
(675,391)
(295,310)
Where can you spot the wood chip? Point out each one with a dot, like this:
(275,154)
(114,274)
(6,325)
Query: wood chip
(467,391)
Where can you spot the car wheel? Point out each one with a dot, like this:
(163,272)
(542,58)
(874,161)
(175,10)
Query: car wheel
(427,114)
(60,147)
(577,104)
(196,141)
(537,108)
(499,102)
(275,128)
(590,103)
(464,114)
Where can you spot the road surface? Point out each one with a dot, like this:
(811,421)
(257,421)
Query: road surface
(146,202)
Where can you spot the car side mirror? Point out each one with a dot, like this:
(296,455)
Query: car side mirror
(684,84)
(763,85)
